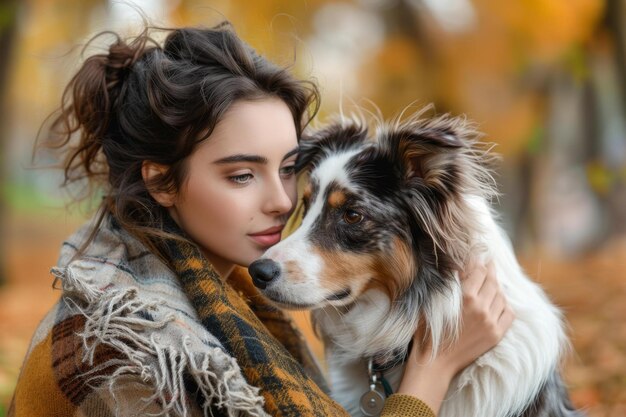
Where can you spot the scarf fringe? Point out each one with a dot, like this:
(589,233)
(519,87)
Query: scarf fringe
(119,318)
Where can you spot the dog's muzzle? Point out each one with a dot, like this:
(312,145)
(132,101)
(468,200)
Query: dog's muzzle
(263,272)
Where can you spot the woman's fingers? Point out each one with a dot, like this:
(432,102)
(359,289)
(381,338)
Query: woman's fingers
(506,319)
(472,279)
(485,316)
(490,288)
(480,289)
(484,302)
(499,309)
(497,306)
(471,265)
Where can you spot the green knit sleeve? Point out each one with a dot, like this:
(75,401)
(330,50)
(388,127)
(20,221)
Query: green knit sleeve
(402,405)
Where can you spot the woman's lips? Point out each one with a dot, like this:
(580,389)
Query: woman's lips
(267,237)
(266,240)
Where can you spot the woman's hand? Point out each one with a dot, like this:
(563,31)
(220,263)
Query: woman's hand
(485,318)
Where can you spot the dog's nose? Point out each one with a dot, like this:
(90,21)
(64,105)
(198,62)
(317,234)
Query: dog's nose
(263,272)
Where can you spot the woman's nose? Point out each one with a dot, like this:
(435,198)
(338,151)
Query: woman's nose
(277,199)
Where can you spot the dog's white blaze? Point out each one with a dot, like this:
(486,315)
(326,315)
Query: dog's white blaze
(307,288)
(332,169)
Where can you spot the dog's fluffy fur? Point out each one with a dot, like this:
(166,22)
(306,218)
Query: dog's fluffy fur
(390,219)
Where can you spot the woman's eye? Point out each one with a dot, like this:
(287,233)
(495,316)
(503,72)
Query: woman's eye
(352,217)
(288,171)
(241,179)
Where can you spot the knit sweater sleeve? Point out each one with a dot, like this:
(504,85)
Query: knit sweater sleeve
(402,405)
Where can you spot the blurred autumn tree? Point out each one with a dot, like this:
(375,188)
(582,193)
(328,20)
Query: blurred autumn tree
(8,18)
(544,79)
(525,71)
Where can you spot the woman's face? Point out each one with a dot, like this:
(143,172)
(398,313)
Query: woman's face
(240,187)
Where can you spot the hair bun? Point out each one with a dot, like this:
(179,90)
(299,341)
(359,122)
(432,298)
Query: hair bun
(119,61)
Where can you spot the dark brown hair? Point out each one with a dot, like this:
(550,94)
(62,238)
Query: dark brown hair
(147,102)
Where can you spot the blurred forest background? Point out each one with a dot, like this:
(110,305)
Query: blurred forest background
(544,79)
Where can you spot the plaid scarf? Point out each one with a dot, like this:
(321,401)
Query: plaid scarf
(269,348)
(132,336)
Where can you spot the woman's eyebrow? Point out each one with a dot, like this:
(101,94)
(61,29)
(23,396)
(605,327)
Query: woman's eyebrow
(257,159)
(242,158)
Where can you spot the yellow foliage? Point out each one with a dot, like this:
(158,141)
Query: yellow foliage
(479,72)
(600,177)
(546,28)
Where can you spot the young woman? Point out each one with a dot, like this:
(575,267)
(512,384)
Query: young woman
(194,143)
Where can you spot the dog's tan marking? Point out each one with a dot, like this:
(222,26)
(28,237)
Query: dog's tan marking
(308,190)
(336,198)
(394,273)
(342,270)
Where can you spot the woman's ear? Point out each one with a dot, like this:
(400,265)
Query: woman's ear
(151,173)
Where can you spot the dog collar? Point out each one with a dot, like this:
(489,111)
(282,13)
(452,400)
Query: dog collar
(373,400)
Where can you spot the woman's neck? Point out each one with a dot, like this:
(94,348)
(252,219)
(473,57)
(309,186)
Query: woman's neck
(221,266)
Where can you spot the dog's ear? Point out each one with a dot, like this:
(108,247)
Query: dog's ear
(429,158)
(439,155)
(441,161)
(445,137)
(310,149)
(336,137)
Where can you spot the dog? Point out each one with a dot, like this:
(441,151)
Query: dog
(391,214)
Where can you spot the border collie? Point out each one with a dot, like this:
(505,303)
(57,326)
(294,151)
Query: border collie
(389,218)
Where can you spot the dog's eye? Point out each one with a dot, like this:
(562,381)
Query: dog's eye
(352,217)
